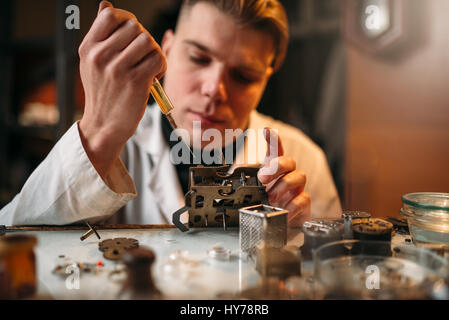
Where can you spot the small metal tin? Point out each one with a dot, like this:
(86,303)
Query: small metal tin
(348,217)
(318,232)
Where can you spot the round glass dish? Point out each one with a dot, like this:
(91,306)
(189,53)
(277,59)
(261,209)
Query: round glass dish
(427,215)
(358,269)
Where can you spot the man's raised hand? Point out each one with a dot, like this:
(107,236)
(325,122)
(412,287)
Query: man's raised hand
(119,60)
(284,183)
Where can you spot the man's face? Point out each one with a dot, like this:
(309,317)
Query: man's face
(217,70)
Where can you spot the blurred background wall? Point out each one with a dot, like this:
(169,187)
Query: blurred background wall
(398,114)
(377,103)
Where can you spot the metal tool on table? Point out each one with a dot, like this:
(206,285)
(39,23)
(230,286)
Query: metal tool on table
(4,229)
(89,232)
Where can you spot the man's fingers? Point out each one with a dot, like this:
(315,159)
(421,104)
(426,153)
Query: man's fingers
(121,38)
(275,168)
(139,48)
(103,5)
(154,62)
(107,21)
(299,209)
(284,184)
(295,180)
(285,199)
(274,144)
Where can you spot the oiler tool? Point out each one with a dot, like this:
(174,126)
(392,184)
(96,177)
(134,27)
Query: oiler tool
(164,104)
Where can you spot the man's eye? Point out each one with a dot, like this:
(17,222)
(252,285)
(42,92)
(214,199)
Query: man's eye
(199,60)
(242,78)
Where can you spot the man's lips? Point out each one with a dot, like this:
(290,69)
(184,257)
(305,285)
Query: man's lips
(207,119)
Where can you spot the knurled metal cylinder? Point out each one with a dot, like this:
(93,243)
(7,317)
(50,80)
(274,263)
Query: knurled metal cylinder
(350,216)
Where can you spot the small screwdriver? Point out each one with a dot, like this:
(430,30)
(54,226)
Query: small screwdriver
(164,104)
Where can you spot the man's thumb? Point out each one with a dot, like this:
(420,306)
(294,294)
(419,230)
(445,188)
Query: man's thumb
(104,5)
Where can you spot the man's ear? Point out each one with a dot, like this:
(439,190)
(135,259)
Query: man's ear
(167,42)
(270,72)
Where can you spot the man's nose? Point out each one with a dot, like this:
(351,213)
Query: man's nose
(214,85)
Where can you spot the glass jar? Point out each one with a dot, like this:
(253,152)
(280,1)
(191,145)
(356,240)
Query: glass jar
(350,269)
(427,215)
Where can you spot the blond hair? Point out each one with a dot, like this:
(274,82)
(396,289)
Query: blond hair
(264,15)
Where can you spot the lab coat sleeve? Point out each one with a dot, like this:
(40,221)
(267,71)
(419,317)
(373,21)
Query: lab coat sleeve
(65,188)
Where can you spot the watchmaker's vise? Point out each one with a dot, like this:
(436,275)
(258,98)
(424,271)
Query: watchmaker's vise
(215,196)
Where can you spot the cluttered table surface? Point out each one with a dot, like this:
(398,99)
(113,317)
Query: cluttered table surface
(182,269)
(209,263)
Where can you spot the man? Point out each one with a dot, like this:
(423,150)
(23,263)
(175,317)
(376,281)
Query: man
(219,60)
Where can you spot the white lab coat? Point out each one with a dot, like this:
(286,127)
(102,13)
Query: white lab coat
(143,187)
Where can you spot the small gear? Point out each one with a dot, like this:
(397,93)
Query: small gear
(113,253)
(113,249)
